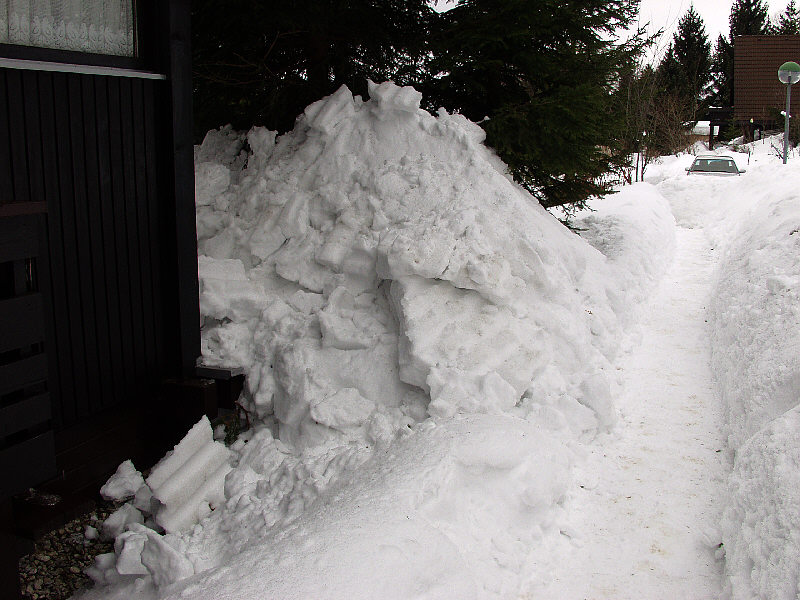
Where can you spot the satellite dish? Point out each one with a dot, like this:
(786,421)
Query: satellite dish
(789,73)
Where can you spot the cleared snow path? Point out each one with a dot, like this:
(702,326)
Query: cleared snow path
(649,502)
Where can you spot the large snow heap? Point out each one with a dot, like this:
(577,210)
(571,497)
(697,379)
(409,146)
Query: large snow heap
(421,342)
(377,266)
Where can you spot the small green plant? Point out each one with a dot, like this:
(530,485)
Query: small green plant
(232,424)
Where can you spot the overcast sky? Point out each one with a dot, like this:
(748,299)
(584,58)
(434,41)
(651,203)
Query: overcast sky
(666,14)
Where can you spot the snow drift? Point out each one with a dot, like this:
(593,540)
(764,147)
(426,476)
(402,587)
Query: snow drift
(755,319)
(422,342)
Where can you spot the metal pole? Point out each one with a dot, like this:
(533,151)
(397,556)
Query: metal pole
(786,119)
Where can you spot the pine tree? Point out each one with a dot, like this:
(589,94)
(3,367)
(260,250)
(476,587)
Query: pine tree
(748,17)
(261,62)
(544,74)
(788,22)
(668,72)
(686,68)
(722,73)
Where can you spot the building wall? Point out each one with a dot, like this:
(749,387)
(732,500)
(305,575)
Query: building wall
(757,93)
(96,151)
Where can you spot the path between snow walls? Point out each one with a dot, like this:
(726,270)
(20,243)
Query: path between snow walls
(647,505)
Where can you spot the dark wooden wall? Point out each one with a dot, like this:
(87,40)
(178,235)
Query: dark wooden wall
(27,448)
(103,158)
(87,146)
(758,94)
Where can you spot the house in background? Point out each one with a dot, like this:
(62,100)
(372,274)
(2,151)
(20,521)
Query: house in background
(99,319)
(758,96)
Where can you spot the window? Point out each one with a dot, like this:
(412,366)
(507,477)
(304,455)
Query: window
(92,26)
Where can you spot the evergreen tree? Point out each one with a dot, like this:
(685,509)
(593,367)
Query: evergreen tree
(748,17)
(685,69)
(668,76)
(544,73)
(788,22)
(262,62)
(722,73)
(693,53)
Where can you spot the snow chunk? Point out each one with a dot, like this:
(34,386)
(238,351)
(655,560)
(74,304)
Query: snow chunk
(119,520)
(189,481)
(346,408)
(123,484)
(389,95)
(324,115)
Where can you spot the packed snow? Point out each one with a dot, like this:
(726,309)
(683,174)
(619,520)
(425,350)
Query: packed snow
(455,396)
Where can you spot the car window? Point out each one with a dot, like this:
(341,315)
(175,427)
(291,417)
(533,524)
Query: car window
(715,165)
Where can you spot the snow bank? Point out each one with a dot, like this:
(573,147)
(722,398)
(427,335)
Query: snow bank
(449,511)
(755,318)
(422,344)
(635,230)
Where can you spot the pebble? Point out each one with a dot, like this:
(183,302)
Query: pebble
(54,570)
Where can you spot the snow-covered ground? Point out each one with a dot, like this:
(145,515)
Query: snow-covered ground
(457,397)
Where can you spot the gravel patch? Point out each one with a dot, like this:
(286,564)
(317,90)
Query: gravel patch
(54,570)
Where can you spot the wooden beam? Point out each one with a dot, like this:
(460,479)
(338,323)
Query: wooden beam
(180,76)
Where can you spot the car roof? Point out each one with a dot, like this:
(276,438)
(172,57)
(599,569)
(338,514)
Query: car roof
(707,156)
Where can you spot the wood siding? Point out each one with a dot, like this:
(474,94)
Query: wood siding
(758,94)
(89,147)
(26,433)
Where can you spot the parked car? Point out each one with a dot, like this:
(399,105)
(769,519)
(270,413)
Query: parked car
(714,164)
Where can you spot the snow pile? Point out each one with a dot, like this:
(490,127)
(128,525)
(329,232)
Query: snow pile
(413,521)
(423,346)
(755,319)
(386,248)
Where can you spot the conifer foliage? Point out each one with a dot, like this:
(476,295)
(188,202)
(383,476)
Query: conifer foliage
(539,75)
(262,62)
(748,17)
(685,70)
(722,72)
(788,22)
(543,73)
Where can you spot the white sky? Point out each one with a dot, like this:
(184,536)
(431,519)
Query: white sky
(666,14)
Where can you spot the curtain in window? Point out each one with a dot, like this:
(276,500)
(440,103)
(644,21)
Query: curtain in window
(96,26)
